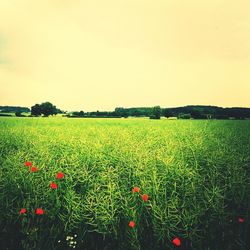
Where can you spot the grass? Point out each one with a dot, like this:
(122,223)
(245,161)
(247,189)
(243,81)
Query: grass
(196,174)
(14,114)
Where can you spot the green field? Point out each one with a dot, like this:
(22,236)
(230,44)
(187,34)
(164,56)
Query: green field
(195,173)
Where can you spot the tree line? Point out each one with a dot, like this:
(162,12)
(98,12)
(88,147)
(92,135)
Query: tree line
(13,109)
(186,112)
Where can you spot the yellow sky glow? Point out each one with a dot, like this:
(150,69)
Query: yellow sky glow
(97,55)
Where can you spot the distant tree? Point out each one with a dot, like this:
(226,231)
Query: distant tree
(197,114)
(45,108)
(184,116)
(121,112)
(77,114)
(135,112)
(13,109)
(156,113)
(36,110)
(18,114)
(140,111)
(48,108)
(81,113)
(59,111)
(167,113)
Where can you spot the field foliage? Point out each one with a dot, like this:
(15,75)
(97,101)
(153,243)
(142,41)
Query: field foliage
(195,173)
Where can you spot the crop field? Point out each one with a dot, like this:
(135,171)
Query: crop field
(124,184)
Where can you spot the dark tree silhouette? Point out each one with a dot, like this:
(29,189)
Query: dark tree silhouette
(45,108)
(18,114)
(36,110)
(48,108)
(156,113)
(121,112)
(167,113)
(81,113)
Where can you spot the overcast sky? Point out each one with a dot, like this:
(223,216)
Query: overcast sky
(97,55)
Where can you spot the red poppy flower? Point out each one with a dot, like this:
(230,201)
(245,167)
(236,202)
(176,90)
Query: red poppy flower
(53,185)
(33,169)
(23,211)
(145,197)
(60,175)
(131,224)
(241,220)
(136,190)
(28,164)
(39,211)
(177,242)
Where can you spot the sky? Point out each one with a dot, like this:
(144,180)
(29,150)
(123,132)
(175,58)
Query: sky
(97,55)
